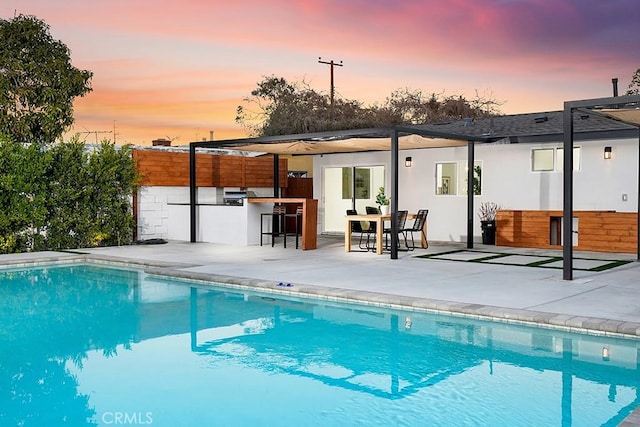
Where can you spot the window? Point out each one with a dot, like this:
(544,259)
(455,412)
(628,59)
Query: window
(446,178)
(362,183)
(477,178)
(551,159)
(560,159)
(451,178)
(542,159)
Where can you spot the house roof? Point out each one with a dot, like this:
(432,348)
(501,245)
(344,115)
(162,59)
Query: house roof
(589,122)
(539,127)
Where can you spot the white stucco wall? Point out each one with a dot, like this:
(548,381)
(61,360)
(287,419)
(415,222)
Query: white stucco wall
(507,179)
(163,213)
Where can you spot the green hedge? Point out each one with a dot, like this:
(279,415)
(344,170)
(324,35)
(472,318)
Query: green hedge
(65,196)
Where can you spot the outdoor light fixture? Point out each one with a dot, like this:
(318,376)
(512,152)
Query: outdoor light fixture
(408,162)
(605,353)
(607,153)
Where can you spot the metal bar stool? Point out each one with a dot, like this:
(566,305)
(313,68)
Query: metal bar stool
(276,216)
(298,227)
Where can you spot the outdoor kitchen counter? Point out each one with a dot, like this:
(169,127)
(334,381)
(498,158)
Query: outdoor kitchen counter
(217,223)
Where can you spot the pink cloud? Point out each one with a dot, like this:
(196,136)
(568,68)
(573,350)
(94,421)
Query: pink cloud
(185,63)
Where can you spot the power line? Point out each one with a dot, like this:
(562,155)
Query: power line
(96,132)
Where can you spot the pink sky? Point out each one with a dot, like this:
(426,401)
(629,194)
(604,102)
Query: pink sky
(179,69)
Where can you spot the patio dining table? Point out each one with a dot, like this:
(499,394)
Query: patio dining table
(379,219)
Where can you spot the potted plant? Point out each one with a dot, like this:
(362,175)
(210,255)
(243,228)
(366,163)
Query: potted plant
(487,214)
(383,201)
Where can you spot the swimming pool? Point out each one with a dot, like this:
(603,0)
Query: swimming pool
(94,345)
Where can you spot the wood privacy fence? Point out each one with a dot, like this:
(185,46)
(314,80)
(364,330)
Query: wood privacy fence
(599,231)
(168,168)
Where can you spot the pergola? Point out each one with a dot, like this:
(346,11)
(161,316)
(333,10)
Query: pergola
(395,138)
(392,139)
(624,108)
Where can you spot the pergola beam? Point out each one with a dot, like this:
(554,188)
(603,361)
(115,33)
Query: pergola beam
(568,138)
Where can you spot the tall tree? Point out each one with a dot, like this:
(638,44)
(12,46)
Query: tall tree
(280,108)
(37,82)
(634,86)
(289,108)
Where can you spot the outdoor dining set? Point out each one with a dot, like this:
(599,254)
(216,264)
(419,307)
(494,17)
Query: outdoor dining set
(374,229)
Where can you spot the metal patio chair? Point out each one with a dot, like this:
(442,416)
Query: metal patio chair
(363,228)
(401,218)
(416,227)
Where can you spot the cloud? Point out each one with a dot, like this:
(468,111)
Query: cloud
(174,62)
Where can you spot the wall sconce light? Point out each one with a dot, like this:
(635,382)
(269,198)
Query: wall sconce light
(607,153)
(408,162)
(605,353)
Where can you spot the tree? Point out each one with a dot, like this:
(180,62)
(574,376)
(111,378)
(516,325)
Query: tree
(289,108)
(286,108)
(634,86)
(37,81)
(414,107)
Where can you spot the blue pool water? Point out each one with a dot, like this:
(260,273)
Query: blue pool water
(88,345)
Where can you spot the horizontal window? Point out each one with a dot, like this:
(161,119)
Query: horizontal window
(552,159)
(451,178)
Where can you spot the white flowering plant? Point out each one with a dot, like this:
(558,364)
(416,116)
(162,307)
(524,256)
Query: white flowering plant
(488,211)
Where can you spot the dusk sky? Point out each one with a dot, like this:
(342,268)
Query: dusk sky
(179,69)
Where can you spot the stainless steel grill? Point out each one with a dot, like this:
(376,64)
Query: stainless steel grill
(236,198)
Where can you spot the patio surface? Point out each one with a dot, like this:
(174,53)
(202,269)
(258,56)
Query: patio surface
(600,302)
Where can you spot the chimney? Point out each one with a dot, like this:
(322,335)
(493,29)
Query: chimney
(614,81)
(161,142)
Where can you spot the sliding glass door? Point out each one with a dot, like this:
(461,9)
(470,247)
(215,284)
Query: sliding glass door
(348,188)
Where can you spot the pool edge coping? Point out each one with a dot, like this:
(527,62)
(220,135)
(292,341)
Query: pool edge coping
(567,322)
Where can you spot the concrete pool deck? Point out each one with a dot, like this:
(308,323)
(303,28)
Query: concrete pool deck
(605,302)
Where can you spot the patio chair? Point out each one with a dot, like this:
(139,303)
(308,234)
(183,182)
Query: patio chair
(276,216)
(362,227)
(416,227)
(372,210)
(401,218)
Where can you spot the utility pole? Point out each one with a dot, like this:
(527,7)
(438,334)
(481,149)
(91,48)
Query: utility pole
(332,64)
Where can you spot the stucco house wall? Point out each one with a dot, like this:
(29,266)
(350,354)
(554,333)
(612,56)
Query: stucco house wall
(507,179)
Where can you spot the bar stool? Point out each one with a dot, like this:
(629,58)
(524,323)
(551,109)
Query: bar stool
(276,216)
(298,228)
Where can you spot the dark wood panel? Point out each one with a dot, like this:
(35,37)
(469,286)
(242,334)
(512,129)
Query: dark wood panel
(601,231)
(167,168)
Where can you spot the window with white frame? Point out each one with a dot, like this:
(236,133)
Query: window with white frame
(552,159)
(560,159)
(477,177)
(451,178)
(446,178)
